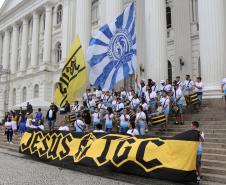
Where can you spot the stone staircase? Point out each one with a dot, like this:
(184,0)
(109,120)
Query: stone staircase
(212,119)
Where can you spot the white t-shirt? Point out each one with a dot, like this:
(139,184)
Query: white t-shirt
(41,127)
(123,119)
(145,106)
(63,128)
(188,85)
(165,102)
(224,84)
(133,132)
(199,84)
(140,115)
(151,95)
(98,131)
(143,89)
(154,88)
(50,113)
(134,101)
(167,88)
(96,117)
(76,108)
(8,124)
(119,106)
(79,125)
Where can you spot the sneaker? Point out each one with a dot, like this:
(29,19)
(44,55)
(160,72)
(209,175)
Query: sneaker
(146,130)
(11,143)
(198,180)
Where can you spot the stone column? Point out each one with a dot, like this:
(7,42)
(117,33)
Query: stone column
(5,58)
(35,39)
(1,45)
(47,35)
(83,22)
(65,30)
(140,38)
(212,29)
(113,9)
(156,39)
(15,44)
(24,45)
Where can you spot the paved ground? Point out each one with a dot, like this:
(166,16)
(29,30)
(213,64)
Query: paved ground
(17,169)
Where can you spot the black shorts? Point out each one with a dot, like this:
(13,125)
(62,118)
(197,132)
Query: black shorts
(225,97)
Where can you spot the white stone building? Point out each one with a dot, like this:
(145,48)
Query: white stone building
(174,37)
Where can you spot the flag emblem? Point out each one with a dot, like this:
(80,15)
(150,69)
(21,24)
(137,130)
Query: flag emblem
(112,51)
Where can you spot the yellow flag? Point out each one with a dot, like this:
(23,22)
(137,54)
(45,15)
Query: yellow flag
(74,76)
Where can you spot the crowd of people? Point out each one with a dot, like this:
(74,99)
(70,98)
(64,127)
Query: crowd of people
(124,111)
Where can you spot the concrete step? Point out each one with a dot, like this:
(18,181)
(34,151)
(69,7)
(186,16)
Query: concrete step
(214,178)
(205,130)
(214,151)
(215,163)
(214,170)
(217,157)
(214,145)
(202,126)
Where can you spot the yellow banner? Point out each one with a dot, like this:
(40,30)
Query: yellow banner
(147,153)
(73,77)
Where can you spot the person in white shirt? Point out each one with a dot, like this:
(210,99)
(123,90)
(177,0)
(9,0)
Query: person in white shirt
(134,100)
(76,107)
(179,82)
(40,125)
(63,126)
(79,125)
(199,89)
(223,89)
(141,88)
(132,129)
(140,120)
(165,103)
(109,120)
(124,122)
(123,93)
(188,86)
(99,129)
(9,130)
(178,103)
(167,87)
(154,87)
(119,106)
(95,117)
(151,98)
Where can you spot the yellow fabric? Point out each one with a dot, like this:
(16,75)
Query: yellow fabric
(173,154)
(73,77)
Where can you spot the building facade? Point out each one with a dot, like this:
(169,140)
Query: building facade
(174,37)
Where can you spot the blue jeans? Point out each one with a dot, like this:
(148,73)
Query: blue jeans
(124,130)
(141,127)
(108,130)
(51,124)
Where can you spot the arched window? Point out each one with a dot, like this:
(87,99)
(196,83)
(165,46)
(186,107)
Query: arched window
(59,14)
(95,12)
(24,94)
(14,96)
(36,91)
(170,72)
(58,52)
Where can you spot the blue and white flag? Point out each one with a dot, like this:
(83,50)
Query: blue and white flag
(112,51)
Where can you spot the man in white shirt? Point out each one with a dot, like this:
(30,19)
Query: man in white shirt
(188,86)
(76,107)
(134,100)
(199,89)
(179,82)
(223,89)
(165,103)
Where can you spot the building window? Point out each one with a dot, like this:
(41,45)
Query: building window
(36,91)
(95,12)
(168,17)
(59,14)
(24,94)
(58,52)
(170,72)
(14,96)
